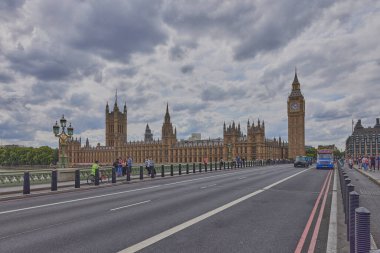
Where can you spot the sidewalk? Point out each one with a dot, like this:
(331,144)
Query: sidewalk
(372,175)
(16,192)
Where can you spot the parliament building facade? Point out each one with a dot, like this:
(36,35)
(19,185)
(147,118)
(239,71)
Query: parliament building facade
(250,146)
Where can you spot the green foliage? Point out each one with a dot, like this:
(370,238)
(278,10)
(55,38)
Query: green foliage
(15,155)
(311,152)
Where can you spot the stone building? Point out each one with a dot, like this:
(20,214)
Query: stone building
(364,141)
(252,145)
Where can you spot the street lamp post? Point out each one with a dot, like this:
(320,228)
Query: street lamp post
(63,139)
(229,152)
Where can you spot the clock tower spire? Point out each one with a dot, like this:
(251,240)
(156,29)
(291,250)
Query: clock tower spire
(296,120)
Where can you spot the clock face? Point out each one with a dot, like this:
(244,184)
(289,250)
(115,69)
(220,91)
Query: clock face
(294,106)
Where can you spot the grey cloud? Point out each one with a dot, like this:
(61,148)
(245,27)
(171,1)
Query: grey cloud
(5,78)
(116,31)
(123,72)
(187,69)
(190,107)
(215,93)
(180,50)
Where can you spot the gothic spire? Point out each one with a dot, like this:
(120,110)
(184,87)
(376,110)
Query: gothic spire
(115,106)
(296,85)
(167,116)
(107,108)
(125,107)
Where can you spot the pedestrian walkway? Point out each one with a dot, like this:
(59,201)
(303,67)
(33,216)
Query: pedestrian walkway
(367,184)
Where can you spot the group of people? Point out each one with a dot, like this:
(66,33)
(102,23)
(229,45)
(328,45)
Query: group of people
(149,166)
(365,162)
(123,166)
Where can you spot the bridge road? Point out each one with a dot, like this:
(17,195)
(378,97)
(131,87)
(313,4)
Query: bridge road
(114,218)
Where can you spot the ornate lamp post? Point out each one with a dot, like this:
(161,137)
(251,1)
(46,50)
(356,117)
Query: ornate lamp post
(63,138)
(229,152)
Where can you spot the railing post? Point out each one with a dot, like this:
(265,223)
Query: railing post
(77,179)
(200,167)
(210,166)
(346,182)
(205,167)
(179,169)
(349,188)
(228,165)
(129,171)
(96,176)
(26,188)
(162,170)
(152,172)
(54,180)
(193,168)
(114,174)
(354,203)
(141,173)
(187,168)
(171,170)
(362,230)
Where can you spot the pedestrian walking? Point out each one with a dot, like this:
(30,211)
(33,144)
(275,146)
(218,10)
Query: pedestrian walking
(378,162)
(151,167)
(120,167)
(124,167)
(129,164)
(350,162)
(373,163)
(147,166)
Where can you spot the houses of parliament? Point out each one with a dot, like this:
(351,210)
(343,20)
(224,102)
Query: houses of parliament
(250,146)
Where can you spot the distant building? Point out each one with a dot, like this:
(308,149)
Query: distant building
(364,141)
(252,145)
(195,137)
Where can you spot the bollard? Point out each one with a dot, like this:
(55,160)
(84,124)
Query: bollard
(26,188)
(53,180)
(129,170)
(97,177)
(349,188)
(179,169)
(171,170)
(114,174)
(228,165)
(210,166)
(224,165)
(354,203)
(162,171)
(187,168)
(205,167)
(346,182)
(362,230)
(77,179)
(152,172)
(200,167)
(193,168)
(141,173)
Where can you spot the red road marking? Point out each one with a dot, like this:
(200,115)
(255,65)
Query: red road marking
(301,242)
(318,224)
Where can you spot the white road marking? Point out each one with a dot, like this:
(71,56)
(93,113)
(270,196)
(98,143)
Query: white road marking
(208,186)
(240,178)
(333,235)
(143,202)
(173,230)
(117,193)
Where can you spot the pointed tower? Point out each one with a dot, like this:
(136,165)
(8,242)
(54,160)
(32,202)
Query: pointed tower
(296,120)
(168,135)
(116,125)
(148,137)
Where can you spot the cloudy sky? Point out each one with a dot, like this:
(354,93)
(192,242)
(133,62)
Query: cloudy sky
(213,61)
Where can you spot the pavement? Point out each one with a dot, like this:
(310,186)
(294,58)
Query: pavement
(367,184)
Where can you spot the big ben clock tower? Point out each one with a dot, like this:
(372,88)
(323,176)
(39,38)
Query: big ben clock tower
(296,120)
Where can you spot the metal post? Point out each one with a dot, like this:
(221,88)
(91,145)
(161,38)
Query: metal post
(200,167)
(354,203)
(210,166)
(114,174)
(179,169)
(362,230)
(349,188)
(224,165)
(141,173)
(152,172)
(205,167)
(162,171)
(228,165)
(171,170)
(54,180)
(77,179)
(193,168)
(129,171)
(97,177)
(346,182)
(26,188)
(187,168)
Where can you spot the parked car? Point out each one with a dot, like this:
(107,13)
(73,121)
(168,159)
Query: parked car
(301,161)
